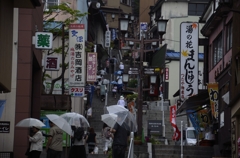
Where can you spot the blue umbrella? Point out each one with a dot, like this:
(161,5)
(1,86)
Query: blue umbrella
(114,82)
(118,73)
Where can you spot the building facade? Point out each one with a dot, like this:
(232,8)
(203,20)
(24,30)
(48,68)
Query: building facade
(21,79)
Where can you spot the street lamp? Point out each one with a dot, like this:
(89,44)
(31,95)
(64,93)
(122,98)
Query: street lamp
(153,79)
(161,25)
(123,25)
(113,17)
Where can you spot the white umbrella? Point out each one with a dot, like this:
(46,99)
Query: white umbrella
(60,122)
(75,119)
(116,109)
(29,122)
(109,119)
(124,117)
(120,111)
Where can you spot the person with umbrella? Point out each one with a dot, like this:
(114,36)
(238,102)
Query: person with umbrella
(55,141)
(78,139)
(121,135)
(36,143)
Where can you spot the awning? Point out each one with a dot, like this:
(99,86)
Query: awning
(158,59)
(194,102)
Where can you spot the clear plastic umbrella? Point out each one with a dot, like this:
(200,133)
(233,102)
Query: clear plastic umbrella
(75,119)
(124,117)
(109,119)
(29,122)
(60,122)
(120,111)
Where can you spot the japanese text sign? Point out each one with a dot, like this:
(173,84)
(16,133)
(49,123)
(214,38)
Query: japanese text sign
(213,96)
(77,55)
(188,59)
(4,127)
(91,67)
(52,63)
(43,40)
(76,91)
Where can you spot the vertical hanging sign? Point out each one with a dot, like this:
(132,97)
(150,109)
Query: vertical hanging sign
(77,55)
(188,59)
(91,67)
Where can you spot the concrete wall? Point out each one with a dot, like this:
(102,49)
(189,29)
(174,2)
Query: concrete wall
(7,139)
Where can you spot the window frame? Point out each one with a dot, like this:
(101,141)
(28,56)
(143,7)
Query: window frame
(196,11)
(126,2)
(47,4)
(217,49)
(229,36)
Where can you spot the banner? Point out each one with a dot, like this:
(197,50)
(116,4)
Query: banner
(213,96)
(2,104)
(203,117)
(91,67)
(192,115)
(77,66)
(177,133)
(188,59)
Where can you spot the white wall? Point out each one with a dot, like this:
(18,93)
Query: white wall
(176,13)
(7,139)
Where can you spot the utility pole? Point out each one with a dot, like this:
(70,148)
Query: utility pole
(63,56)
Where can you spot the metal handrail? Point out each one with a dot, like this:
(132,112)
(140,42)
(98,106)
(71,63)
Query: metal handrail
(131,146)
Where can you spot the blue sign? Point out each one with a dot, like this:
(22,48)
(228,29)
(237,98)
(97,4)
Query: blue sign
(143,26)
(113,34)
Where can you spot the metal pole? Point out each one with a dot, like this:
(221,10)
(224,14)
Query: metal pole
(181,139)
(163,121)
(140,90)
(63,52)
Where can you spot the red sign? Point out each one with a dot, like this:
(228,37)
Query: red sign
(91,67)
(166,73)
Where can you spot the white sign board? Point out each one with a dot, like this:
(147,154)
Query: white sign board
(43,40)
(76,91)
(188,59)
(52,63)
(77,66)
(107,39)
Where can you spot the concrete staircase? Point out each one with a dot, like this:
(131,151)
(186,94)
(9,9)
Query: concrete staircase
(173,151)
(155,113)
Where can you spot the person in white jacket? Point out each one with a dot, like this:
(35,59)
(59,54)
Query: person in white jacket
(36,140)
(121,101)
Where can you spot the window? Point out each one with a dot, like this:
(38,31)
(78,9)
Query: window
(127,2)
(196,9)
(49,3)
(217,49)
(229,36)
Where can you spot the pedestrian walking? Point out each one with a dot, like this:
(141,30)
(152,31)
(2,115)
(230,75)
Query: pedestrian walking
(36,141)
(114,91)
(107,63)
(78,140)
(121,67)
(103,89)
(113,62)
(107,138)
(54,145)
(120,141)
(121,101)
(91,140)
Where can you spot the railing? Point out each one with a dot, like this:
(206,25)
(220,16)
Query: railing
(131,146)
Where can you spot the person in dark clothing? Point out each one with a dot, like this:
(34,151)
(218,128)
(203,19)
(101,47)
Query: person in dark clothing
(120,140)
(91,140)
(116,43)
